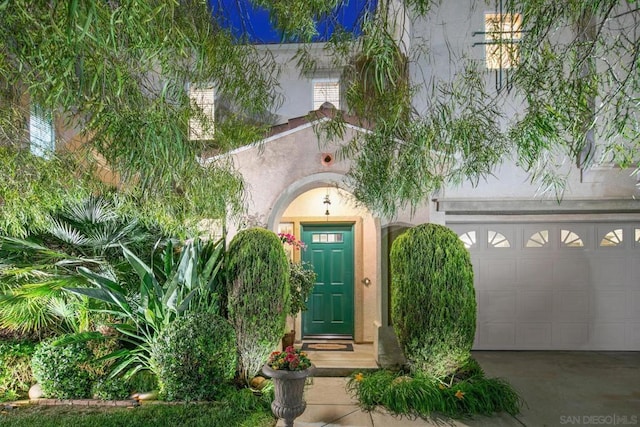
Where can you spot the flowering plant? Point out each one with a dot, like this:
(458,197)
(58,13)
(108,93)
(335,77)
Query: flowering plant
(290,239)
(291,359)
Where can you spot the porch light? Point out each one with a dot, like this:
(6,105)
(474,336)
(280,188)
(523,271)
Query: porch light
(327,202)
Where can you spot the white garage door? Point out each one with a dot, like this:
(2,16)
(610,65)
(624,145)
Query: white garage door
(556,286)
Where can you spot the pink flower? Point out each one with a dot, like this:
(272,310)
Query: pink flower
(290,239)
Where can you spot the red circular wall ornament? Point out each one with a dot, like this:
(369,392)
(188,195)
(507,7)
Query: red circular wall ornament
(326,159)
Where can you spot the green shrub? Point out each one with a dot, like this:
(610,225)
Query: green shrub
(258,296)
(63,371)
(143,381)
(433,300)
(195,357)
(15,369)
(107,388)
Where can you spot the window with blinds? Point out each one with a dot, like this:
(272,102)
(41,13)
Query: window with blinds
(201,123)
(326,91)
(42,138)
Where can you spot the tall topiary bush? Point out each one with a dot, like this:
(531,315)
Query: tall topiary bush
(258,273)
(195,357)
(433,299)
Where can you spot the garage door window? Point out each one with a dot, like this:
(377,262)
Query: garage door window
(469,239)
(638,235)
(571,239)
(538,239)
(497,240)
(612,238)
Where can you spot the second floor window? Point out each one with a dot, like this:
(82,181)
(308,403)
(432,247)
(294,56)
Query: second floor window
(42,138)
(326,90)
(503,32)
(201,122)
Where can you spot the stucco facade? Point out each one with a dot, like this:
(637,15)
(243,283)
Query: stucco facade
(287,176)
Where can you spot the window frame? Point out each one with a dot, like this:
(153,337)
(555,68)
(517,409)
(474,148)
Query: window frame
(316,81)
(196,131)
(42,133)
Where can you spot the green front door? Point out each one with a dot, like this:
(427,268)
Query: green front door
(330,306)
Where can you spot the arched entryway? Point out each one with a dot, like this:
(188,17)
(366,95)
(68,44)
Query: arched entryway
(343,243)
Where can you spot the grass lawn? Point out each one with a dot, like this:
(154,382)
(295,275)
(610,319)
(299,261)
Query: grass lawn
(223,414)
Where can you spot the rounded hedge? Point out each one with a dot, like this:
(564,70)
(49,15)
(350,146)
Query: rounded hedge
(63,370)
(433,299)
(195,357)
(258,296)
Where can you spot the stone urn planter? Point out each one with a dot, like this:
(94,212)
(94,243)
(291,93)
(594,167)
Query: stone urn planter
(288,387)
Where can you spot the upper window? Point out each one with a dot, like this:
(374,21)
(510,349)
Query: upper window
(202,102)
(503,32)
(42,136)
(326,91)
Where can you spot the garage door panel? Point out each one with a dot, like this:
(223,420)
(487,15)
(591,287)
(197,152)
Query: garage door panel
(607,272)
(610,305)
(534,305)
(635,276)
(571,272)
(632,333)
(498,305)
(607,335)
(535,273)
(533,335)
(572,306)
(634,305)
(570,336)
(498,273)
(498,335)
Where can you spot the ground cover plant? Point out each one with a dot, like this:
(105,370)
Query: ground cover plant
(235,408)
(464,394)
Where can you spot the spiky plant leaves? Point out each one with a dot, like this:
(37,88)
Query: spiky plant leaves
(183,287)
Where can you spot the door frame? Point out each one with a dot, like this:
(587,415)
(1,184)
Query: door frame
(358,265)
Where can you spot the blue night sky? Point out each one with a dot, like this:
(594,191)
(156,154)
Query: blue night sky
(243,19)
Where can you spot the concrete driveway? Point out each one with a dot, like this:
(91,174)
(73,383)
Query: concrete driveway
(560,389)
(570,388)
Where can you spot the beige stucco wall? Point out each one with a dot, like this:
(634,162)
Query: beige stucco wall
(285,178)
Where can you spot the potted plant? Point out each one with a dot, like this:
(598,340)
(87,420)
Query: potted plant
(289,370)
(302,278)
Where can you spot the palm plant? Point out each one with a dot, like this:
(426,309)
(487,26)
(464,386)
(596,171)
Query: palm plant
(34,270)
(168,288)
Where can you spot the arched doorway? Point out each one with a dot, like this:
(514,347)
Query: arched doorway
(343,247)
